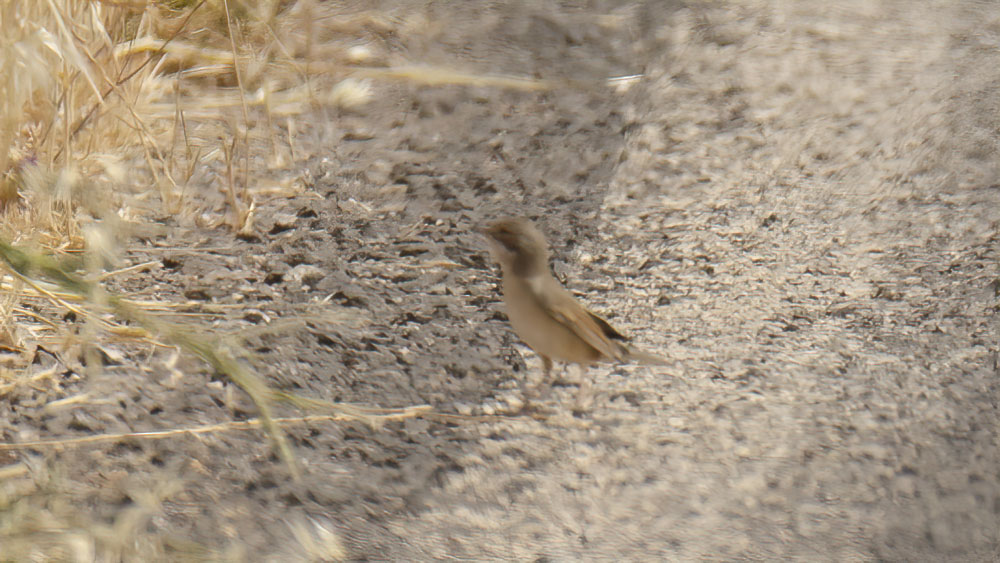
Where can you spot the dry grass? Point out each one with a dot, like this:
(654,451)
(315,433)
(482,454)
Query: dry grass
(114,110)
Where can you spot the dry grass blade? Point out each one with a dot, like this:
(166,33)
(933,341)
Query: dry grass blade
(220,356)
(38,523)
(175,49)
(36,378)
(384,415)
(374,416)
(437,76)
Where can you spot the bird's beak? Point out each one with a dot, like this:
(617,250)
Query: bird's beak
(493,245)
(487,232)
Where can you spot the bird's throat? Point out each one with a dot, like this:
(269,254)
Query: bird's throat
(536,283)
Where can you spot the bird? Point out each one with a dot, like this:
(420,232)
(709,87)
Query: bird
(546,316)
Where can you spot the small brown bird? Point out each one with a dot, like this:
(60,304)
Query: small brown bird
(543,313)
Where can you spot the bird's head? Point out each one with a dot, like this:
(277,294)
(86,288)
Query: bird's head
(518,246)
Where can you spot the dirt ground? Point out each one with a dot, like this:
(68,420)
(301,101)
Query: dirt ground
(797,204)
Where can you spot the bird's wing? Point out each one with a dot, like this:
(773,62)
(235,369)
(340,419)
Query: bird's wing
(564,308)
(627,352)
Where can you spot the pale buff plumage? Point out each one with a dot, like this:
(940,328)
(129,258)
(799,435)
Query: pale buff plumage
(543,313)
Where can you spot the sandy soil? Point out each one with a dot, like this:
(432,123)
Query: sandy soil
(797,204)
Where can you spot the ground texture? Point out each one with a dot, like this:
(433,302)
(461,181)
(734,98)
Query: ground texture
(797,204)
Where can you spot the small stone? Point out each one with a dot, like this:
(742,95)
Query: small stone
(514,403)
(305,274)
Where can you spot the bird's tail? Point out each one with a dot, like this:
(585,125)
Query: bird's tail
(646,358)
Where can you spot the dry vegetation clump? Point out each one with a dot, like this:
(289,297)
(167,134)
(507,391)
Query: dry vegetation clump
(114,113)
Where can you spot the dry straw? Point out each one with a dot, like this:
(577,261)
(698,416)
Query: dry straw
(112,110)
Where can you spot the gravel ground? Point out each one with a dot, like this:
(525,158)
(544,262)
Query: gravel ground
(797,204)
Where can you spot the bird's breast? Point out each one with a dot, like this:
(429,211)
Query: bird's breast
(537,328)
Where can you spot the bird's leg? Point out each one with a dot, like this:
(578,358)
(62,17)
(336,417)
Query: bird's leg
(542,389)
(530,390)
(547,376)
(546,383)
(584,396)
(547,364)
